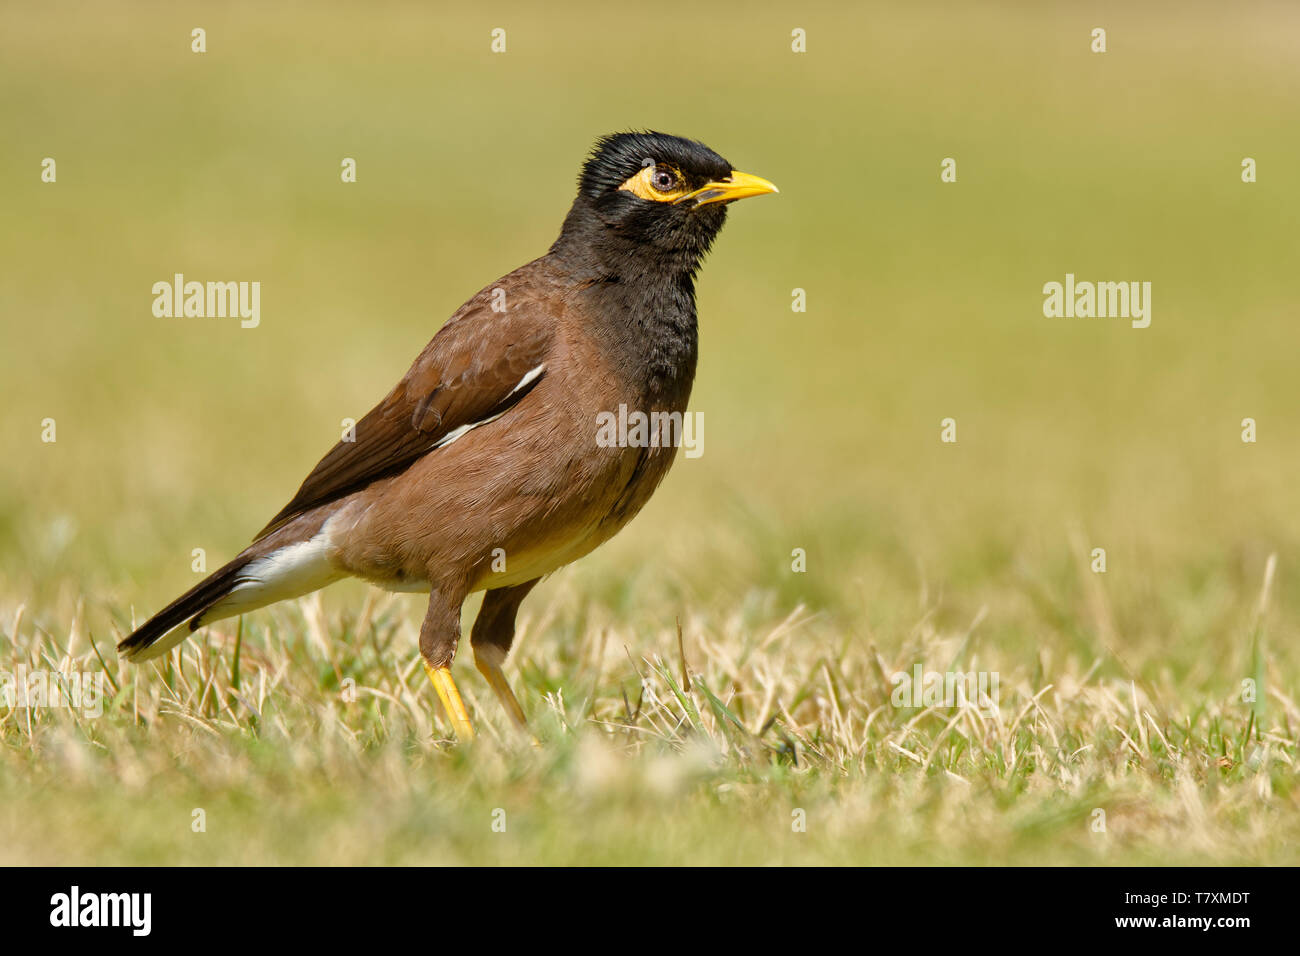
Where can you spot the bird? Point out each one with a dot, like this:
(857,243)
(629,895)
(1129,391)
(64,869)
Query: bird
(481,469)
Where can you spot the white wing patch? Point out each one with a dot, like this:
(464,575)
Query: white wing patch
(529,378)
(455,433)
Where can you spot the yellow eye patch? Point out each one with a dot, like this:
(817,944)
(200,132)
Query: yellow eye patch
(652,183)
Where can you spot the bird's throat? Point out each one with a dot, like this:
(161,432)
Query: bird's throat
(647,330)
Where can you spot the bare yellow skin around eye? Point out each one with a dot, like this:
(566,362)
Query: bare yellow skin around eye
(642,185)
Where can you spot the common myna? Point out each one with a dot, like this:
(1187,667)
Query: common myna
(482,470)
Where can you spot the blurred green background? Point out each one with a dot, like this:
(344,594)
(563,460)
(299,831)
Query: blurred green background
(822,428)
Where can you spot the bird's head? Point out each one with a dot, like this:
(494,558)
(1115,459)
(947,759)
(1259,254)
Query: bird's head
(653,201)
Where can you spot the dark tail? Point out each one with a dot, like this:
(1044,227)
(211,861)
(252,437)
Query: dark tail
(163,631)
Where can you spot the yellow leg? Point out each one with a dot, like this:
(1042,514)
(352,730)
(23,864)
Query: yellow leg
(440,677)
(488,660)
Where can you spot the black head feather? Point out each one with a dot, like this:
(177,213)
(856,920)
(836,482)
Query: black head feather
(611,231)
(621,155)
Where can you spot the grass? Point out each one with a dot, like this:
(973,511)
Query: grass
(756,737)
(311,736)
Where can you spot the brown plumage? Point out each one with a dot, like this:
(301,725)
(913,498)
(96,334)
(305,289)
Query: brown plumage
(486,451)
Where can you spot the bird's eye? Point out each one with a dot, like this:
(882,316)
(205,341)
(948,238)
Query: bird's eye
(663,179)
(655,183)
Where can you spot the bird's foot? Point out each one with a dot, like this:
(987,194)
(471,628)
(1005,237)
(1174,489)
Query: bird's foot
(440,677)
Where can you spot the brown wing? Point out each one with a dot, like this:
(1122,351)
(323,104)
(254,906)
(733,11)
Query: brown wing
(473,370)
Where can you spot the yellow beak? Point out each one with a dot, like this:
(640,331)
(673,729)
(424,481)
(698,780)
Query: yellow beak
(736,186)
